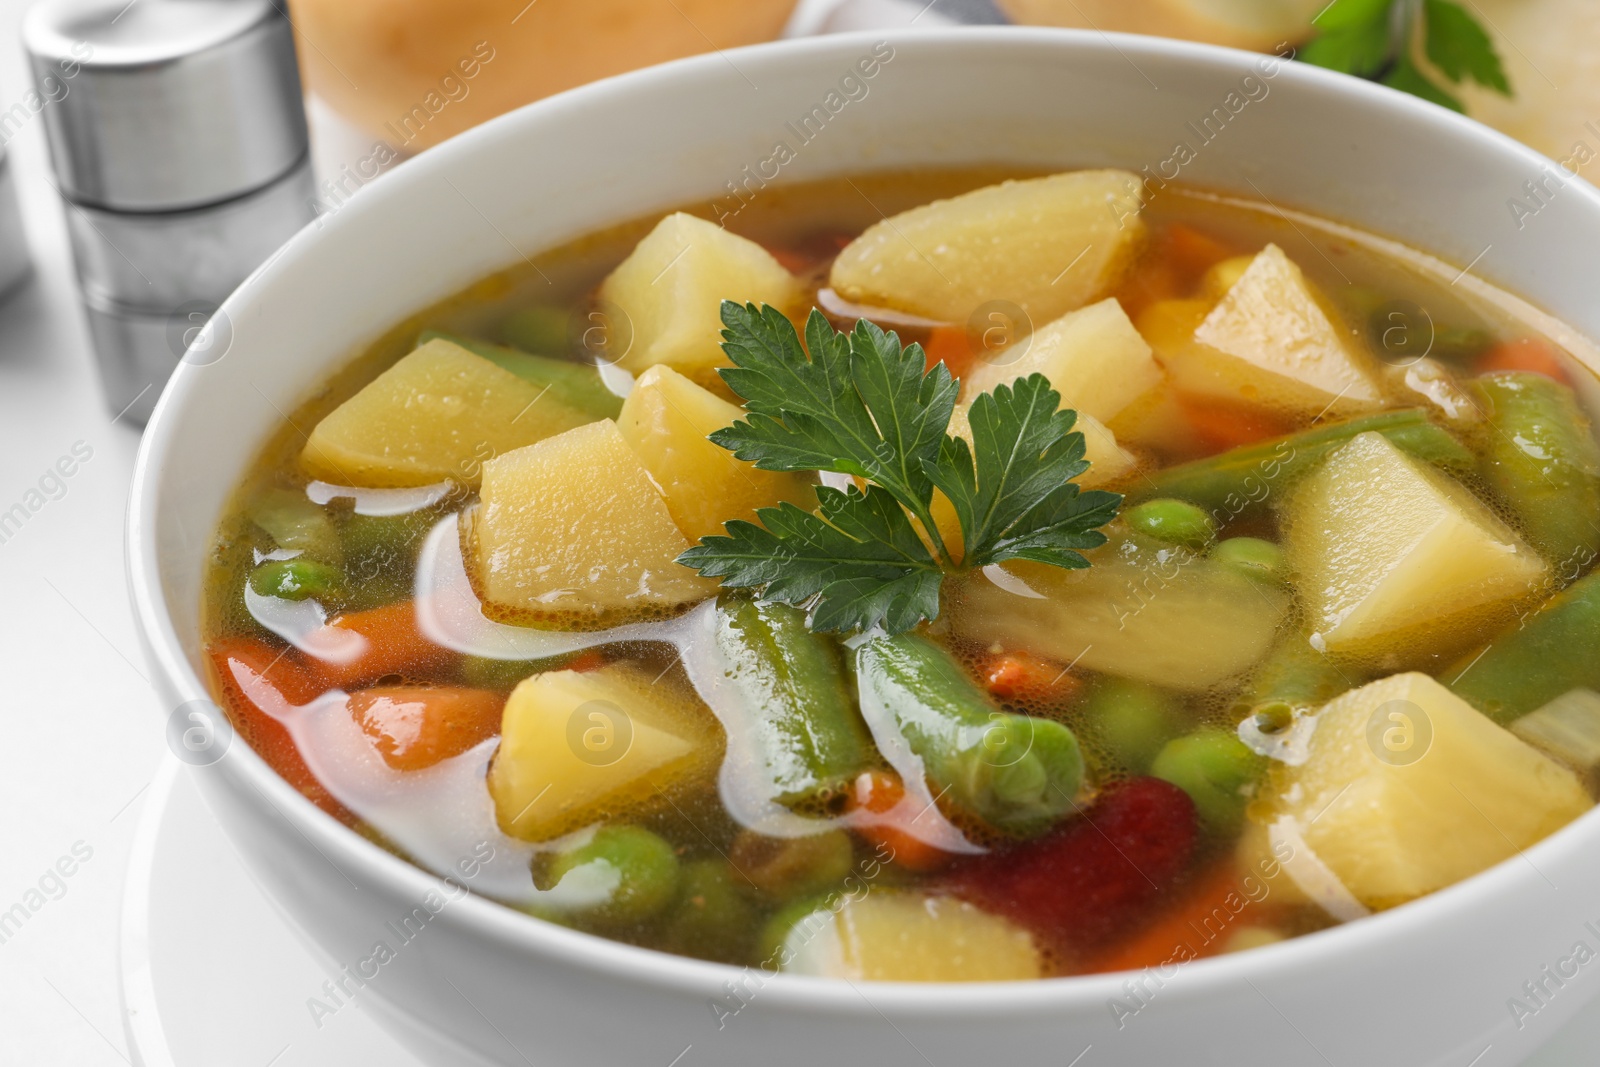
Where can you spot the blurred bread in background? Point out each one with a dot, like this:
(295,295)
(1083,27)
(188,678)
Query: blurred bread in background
(1551,53)
(414,72)
(1550,50)
(1256,24)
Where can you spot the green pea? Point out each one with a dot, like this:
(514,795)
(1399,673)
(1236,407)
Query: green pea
(782,868)
(646,873)
(1131,720)
(1175,522)
(711,919)
(1273,717)
(1253,556)
(1216,769)
(810,913)
(297,579)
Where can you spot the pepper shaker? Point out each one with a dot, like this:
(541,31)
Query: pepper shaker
(182,157)
(14,263)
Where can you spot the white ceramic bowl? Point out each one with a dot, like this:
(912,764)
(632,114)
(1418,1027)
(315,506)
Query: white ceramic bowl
(1428,983)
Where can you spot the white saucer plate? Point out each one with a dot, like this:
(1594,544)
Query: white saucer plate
(214,976)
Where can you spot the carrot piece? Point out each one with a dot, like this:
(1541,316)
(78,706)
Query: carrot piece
(1533,354)
(590,659)
(257,680)
(949,345)
(1194,250)
(416,726)
(793,260)
(1021,676)
(1154,279)
(883,794)
(393,644)
(1222,426)
(806,255)
(283,669)
(1197,926)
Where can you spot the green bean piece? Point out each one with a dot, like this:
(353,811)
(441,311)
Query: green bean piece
(1253,557)
(803,729)
(1541,462)
(1536,659)
(1397,335)
(380,554)
(1216,769)
(294,522)
(1130,721)
(543,329)
(297,579)
(480,672)
(1173,522)
(1294,677)
(577,385)
(640,866)
(711,919)
(782,868)
(1239,481)
(1018,773)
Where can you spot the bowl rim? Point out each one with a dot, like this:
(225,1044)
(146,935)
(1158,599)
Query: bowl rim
(633,965)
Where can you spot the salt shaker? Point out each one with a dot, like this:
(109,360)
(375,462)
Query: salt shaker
(181,153)
(14,263)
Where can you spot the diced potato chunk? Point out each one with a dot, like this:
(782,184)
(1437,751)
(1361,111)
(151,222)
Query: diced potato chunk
(1151,613)
(1386,548)
(667,419)
(1269,343)
(671,289)
(890,936)
(1048,245)
(579,747)
(572,527)
(438,413)
(1093,357)
(1223,275)
(1108,460)
(1407,789)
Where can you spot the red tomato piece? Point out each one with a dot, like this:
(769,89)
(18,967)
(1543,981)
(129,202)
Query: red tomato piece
(1089,880)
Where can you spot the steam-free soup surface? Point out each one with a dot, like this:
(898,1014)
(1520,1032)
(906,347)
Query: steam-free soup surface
(1304,634)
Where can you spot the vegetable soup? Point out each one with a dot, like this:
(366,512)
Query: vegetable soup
(947,576)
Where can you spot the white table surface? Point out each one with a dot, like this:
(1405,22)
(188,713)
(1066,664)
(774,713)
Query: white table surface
(80,732)
(80,728)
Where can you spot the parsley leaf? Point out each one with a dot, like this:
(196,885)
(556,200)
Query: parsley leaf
(1374,39)
(1354,37)
(861,404)
(858,554)
(1012,489)
(1405,76)
(1460,48)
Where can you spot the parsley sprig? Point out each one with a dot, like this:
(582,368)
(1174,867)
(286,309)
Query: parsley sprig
(862,405)
(1373,39)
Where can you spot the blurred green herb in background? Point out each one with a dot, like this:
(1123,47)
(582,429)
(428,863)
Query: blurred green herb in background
(1376,39)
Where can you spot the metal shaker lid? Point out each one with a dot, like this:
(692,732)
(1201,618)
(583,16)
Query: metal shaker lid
(165,104)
